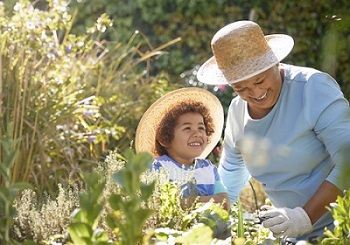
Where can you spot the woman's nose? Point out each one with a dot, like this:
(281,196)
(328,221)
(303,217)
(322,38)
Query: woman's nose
(254,93)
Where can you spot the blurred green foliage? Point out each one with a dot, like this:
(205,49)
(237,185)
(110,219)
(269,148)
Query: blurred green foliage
(9,191)
(321,31)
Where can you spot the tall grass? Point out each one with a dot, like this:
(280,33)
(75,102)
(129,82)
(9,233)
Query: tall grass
(65,94)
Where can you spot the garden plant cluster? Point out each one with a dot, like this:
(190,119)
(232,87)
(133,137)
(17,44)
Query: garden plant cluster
(69,105)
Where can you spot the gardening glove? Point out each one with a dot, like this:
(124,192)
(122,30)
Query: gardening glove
(286,222)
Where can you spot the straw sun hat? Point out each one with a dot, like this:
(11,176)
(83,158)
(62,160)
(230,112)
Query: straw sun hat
(146,130)
(241,51)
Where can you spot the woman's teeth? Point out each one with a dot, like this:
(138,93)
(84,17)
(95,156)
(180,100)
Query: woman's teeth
(262,97)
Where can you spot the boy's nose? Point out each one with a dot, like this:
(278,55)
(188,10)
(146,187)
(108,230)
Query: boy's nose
(196,133)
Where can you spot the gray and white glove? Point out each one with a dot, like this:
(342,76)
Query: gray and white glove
(286,222)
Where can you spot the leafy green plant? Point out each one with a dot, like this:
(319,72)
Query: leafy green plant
(84,227)
(246,228)
(341,214)
(215,217)
(9,191)
(113,193)
(129,215)
(170,207)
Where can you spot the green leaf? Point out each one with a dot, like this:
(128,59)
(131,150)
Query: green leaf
(208,221)
(162,234)
(21,185)
(147,190)
(115,201)
(4,172)
(5,194)
(240,225)
(198,234)
(100,235)
(118,177)
(111,221)
(10,158)
(142,214)
(79,232)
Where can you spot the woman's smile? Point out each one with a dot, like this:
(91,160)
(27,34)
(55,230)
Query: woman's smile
(264,96)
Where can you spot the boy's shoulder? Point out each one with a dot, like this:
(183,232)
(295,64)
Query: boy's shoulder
(200,162)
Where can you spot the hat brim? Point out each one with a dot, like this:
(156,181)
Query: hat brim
(146,130)
(281,45)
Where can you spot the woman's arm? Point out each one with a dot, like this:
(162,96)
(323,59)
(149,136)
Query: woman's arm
(316,206)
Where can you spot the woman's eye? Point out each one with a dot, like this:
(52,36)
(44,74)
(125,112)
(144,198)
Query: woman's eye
(239,90)
(261,81)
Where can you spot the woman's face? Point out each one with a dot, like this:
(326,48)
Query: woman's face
(261,91)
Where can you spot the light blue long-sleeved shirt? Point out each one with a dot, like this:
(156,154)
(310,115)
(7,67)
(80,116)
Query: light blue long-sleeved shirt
(203,175)
(295,147)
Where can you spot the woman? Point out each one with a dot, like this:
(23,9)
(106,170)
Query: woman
(288,128)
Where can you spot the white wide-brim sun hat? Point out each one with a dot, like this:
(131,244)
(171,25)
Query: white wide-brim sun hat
(241,51)
(146,131)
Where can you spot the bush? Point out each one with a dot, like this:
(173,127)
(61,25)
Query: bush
(120,187)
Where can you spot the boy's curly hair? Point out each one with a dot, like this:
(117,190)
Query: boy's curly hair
(165,129)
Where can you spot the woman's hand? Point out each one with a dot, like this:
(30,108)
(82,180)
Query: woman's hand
(286,222)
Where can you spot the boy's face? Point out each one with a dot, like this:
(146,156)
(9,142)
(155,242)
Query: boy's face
(190,138)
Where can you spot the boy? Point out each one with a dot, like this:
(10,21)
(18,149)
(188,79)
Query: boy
(180,129)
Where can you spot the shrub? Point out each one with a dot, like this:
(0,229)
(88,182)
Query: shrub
(118,187)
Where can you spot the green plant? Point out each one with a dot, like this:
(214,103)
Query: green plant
(44,218)
(246,228)
(9,191)
(341,214)
(215,217)
(112,194)
(84,227)
(40,92)
(70,97)
(197,21)
(129,215)
(170,207)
